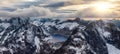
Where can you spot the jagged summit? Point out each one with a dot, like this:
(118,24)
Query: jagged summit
(56,36)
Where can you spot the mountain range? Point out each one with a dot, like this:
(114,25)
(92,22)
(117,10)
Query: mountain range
(59,36)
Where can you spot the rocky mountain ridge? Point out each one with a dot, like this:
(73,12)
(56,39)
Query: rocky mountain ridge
(56,36)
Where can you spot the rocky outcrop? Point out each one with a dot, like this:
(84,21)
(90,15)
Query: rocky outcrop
(35,36)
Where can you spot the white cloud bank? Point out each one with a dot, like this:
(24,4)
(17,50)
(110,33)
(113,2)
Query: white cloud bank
(32,11)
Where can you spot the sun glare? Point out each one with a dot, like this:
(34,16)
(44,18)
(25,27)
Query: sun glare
(103,6)
(30,0)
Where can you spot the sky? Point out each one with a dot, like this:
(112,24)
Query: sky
(60,8)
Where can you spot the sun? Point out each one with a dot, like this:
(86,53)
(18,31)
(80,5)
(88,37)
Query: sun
(103,6)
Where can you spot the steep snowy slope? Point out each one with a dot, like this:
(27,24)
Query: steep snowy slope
(57,36)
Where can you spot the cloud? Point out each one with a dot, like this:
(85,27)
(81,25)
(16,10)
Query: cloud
(90,13)
(32,11)
(7,3)
(85,10)
(55,5)
(15,3)
(52,8)
(27,4)
(7,9)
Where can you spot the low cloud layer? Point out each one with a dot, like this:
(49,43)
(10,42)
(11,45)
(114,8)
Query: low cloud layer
(32,11)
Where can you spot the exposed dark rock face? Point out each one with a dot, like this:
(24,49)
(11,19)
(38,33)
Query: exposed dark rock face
(35,36)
